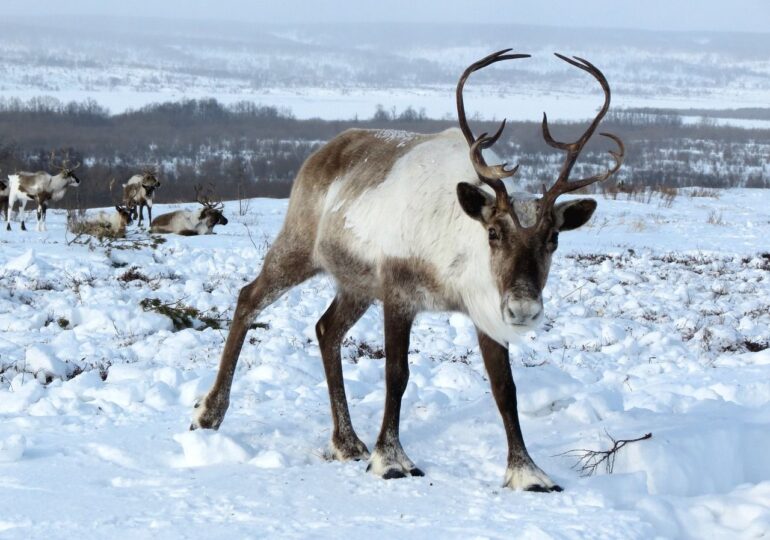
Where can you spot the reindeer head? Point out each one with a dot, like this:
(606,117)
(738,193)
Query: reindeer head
(213,216)
(67,171)
(150,180)
(523,236)
(211,213)
(126,214)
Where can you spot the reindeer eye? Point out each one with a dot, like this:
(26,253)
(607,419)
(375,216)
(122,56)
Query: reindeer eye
(493,234)
(554,240)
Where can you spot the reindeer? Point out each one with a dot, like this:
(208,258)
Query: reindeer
(109,224)
(410,220)
(191,222)
(40,187)
(138,193)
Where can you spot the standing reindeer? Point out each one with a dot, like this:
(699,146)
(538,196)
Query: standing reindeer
(191,222)
(419,222)
(40,187)
(138,193)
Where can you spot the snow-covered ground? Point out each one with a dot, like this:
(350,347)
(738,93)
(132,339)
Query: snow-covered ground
(652,316)
(485,102)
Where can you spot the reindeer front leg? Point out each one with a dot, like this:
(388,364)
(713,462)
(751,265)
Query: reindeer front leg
(522,473)
(22,211)
(41,212)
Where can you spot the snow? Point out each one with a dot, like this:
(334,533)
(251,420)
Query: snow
(437,101)
(654,318)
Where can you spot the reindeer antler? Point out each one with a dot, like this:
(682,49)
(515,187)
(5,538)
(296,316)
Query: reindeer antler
(150,170)
(65,164)
(205,198)
(573,149)
(490,175)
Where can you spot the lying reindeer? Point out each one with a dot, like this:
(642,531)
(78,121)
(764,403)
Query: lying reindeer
(421,223)
(138,193)
(191,222)
(40,187)
(114,224)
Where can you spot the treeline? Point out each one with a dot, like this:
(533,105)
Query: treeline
(247,150)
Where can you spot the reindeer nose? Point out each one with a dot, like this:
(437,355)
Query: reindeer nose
(523,311)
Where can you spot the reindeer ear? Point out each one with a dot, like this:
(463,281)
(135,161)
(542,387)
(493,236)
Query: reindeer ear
(573,214)
(475,202)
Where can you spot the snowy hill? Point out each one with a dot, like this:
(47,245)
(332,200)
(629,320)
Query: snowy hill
(342,71)
(656,321)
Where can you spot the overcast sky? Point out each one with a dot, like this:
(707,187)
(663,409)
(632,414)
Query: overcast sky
(719,15)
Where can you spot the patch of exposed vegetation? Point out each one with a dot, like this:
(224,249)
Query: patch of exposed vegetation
(362,349)
(182,316)
(133,274)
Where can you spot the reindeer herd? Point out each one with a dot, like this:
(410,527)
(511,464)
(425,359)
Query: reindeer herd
(138,192)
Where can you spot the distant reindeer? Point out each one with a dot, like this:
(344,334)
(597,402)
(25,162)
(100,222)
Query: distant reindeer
(421,223)
(138,193)
(40,187)
(191,222)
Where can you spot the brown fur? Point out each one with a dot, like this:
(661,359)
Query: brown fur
(162,221)
(364,154)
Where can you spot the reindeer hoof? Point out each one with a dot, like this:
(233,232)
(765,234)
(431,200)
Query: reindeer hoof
(350,449)
(529,477)
(208,416)
(390,461)
(391,474)
(542,489)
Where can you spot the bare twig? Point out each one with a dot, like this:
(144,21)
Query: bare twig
(590,460)
(248,232)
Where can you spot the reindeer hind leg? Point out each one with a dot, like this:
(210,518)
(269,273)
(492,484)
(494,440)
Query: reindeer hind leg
(342,314)
(287,263)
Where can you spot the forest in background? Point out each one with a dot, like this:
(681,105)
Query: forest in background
(246,150)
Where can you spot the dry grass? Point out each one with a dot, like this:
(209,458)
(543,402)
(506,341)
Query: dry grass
(703,192)
(645,194)
(715,218)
